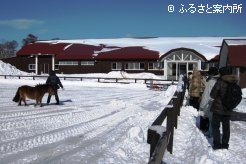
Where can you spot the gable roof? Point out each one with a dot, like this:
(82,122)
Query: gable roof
(215,59)
(41,48)
(78,51)
(132,53)
(236,52)
(187,49)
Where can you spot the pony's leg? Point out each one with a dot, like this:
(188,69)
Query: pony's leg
(24,99)
(41,101)
(20,101)
(36,103)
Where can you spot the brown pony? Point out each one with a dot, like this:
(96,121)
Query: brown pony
(36,93)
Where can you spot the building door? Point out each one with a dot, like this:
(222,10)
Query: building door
(45,68)
(182,69)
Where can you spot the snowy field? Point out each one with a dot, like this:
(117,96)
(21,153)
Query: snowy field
(103,123)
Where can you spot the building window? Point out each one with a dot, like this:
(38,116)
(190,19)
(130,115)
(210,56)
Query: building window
(56,66)
(174,69)
(134,66)
(116,66)
(203,65)
(87,62)
(190,67)
(31,66)
(68,63)
(155,66)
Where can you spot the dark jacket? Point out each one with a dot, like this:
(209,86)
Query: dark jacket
(54,80)
(218,92)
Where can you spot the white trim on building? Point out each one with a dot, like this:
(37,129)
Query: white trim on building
(180,61)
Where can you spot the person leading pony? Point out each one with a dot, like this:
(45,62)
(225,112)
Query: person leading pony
(54,81)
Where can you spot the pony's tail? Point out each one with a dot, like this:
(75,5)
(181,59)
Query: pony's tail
(17,96)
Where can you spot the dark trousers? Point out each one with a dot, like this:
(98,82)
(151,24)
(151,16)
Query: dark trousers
(56,97)
(225,120)
(194,101)
(204,123)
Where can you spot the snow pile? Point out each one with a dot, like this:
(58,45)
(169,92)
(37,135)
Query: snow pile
(8,69)
(136,134)
(143,75)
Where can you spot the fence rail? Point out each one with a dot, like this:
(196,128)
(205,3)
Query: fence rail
(159,137)
(99,79)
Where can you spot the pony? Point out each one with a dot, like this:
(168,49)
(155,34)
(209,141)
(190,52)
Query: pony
(35,93)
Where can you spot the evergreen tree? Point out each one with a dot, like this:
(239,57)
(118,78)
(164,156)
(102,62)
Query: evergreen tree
(29,39)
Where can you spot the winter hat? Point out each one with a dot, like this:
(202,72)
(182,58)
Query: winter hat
(52,72)
(213,71)
(225,71)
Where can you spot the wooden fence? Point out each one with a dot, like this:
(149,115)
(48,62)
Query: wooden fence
(159,137)
(99,79)
(151,83)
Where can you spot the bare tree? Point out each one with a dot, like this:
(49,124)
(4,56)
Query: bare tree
(8,49)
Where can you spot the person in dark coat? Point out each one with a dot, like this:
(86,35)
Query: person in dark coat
(186,83)
(56,83)
(220,114)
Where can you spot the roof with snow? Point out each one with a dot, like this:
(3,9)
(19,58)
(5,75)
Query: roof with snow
(123,48)
(41,48)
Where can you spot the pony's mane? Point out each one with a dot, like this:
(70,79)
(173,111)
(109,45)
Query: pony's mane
(42,85)
(37,85)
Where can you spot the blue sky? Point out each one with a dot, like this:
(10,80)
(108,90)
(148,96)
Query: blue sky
(79,19)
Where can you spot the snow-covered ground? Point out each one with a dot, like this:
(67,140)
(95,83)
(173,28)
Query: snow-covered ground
(103,123)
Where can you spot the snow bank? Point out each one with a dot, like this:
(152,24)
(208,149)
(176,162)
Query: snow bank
(8,69)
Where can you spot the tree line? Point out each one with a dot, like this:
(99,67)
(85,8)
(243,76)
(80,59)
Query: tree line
(8,48)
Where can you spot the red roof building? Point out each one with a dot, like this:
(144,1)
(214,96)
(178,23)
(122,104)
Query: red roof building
(84,58)
(233,53)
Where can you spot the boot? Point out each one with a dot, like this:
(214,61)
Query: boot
(57,100)
(48,99)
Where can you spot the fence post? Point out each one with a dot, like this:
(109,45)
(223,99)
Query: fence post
(152,139)
(170,128)
(175,111)
(180,101)
(155,132)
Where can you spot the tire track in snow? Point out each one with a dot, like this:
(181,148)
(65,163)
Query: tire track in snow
(49,122)
(95,124)
(92,128)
